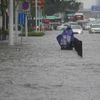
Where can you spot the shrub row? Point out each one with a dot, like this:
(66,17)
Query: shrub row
(33,33)
(5,32)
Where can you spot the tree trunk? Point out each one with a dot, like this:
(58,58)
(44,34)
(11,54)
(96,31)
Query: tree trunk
(3,5)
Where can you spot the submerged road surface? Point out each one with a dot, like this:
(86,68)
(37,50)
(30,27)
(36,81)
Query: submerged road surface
(38,70)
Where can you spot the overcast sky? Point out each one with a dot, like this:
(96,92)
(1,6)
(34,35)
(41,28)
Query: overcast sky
(88,3)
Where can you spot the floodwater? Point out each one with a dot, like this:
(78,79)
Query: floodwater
(37,69)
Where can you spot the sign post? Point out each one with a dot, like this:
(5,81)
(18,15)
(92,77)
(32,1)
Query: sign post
(26,29)
(36,15)
(25,7)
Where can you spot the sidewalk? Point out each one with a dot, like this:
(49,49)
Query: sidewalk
(38,70)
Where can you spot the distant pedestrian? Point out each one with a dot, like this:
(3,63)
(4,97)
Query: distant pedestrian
(68,32)
(66,38)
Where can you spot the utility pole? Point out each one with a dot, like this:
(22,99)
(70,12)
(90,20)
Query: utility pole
(11,33)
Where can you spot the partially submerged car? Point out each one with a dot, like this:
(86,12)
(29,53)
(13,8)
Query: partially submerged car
(94,28)
(77,29)
(62,26)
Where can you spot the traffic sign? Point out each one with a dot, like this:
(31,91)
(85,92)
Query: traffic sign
(25,6)
(21,18)
(95,8)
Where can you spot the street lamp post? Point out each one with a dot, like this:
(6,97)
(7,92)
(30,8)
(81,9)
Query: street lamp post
(11,35)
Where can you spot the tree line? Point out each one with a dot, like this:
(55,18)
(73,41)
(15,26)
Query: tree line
(51,7)
(54,6)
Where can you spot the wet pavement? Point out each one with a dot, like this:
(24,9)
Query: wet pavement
(38,70)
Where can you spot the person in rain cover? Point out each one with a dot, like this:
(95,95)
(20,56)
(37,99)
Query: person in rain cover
(67,39)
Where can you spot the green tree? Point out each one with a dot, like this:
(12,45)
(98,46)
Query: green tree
(4,18)
(54,6)
(3,11)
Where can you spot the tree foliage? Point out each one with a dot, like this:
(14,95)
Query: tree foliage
(54,6)
(51,6)
(3,11)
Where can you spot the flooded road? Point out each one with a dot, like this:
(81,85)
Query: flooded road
(38,70)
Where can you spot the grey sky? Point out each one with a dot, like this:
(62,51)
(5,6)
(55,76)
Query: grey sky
(88,3)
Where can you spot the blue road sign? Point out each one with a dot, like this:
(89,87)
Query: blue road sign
(95,8)
(21,18)
(25,5)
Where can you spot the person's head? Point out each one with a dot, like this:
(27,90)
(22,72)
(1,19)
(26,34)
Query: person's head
(68,27)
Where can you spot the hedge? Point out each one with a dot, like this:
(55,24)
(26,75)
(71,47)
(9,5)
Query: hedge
(33,34)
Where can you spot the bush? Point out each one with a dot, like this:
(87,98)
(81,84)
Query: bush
(36,33)
(5,32)
(30,29)
(33,34)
